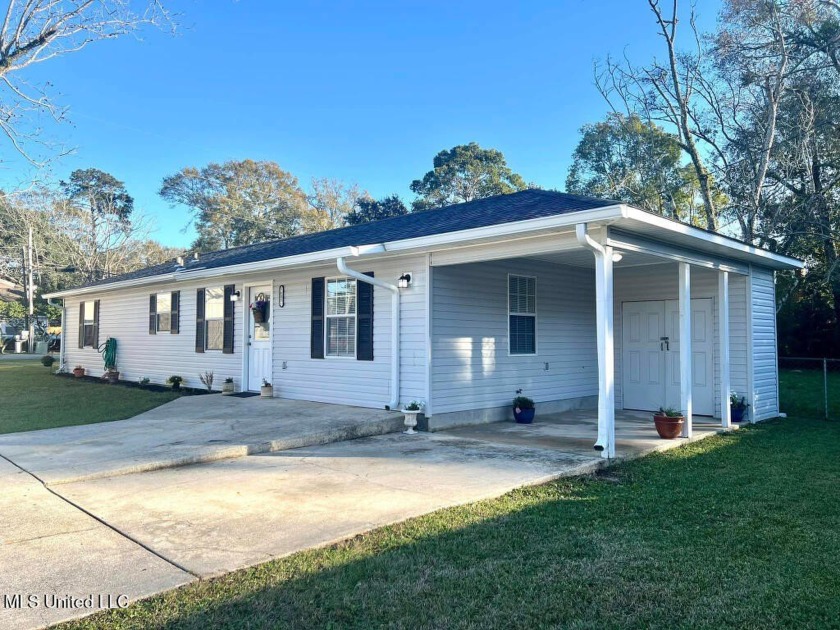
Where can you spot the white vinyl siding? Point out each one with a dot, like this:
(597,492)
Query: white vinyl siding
(471,365)
(765,361)
(124,315)
(351,382)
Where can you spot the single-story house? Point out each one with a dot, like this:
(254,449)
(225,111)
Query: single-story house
(578,302)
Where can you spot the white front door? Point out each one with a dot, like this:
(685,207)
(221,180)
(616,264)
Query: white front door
(651,355)
(259,336)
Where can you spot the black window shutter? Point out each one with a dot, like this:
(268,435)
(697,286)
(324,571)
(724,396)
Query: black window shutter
(364,326)
(199,320)
(175,319)
(81,324)
(96,323)
(317,334)
(153,314)
(227,344)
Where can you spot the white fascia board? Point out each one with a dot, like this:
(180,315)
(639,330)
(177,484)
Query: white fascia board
(763,256)
(422,243)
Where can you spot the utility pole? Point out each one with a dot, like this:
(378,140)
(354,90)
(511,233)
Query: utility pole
(30,292)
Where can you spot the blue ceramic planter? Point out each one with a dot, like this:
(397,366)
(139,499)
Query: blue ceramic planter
(524,416)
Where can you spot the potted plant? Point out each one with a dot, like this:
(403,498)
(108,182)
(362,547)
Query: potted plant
(78,371)
(523,408)
(259,308)
(112,375)
(267,390)
(175,381)
(669,422)
(228,387)
(411,410)
(738,407)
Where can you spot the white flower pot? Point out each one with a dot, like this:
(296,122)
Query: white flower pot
(228,389)
(410,421)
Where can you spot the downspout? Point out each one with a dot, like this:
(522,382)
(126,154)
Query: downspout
(395,323)
(604,399)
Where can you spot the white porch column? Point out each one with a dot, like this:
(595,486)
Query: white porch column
(685,346)
(604,310)
(723,347)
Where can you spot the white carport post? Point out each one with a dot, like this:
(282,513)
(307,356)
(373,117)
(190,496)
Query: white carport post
(686,378)
(604,334)
(723,347)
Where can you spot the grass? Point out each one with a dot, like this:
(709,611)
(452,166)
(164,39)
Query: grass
(34,398)
(739,530)
(803,393)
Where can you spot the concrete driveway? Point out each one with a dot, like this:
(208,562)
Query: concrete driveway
(128,536)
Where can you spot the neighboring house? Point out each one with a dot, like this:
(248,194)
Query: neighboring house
(577,301)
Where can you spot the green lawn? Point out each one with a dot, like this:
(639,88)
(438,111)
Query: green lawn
(33,398)
(739,530)
(802,393)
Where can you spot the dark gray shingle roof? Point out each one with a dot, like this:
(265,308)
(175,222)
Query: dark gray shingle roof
(497,210)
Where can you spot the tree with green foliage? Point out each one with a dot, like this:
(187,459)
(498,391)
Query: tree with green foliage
(627,159)
(464,173)
(368,209)
(238,202)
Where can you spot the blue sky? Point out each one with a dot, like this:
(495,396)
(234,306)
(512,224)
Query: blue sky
(365,92)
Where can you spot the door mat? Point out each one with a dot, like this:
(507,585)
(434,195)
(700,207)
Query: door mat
(243,394)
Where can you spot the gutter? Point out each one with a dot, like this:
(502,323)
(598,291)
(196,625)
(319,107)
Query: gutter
(395,315)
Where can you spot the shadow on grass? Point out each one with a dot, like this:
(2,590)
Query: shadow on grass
(736,531)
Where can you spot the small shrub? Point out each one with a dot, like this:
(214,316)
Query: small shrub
(47,360)
(670,412)
(523,402)
(414,405)
(229,379)
(144,381)
(175,381)
(207,379)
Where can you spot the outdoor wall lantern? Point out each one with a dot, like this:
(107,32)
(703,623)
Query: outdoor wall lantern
(404,281)
(281,295)
(234,297)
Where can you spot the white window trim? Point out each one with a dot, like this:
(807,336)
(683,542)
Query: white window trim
(534,315)
(355,317)
(214,319)
(158,312)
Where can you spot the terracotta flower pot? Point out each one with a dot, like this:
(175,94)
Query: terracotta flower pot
(266,391)
(668,427)
(78,372)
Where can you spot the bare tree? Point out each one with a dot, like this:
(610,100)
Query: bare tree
(34,31)
(720,96)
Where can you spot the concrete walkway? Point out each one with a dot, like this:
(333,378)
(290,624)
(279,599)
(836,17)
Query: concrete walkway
(189,430)
(137,534)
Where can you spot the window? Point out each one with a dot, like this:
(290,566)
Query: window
(164,312)
(89,326)
(214,317)
(340,330)
(522,314)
